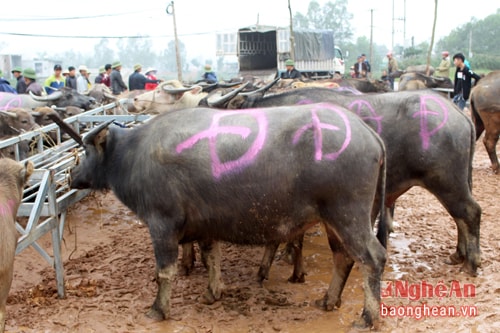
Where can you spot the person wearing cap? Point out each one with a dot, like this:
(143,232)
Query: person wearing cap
(107,77)
(31,84)
(83,82)
(291,71)
(65,73)
(392,68)
(209,75)
(56,81)
(443,70)
(100,76)
(117,84)
(21,85)
(360,69)
(71,78)
(137,81)
(151,74)
(463,81)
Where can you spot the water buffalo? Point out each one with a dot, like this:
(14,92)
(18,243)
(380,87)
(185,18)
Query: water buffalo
(247,177)
(426,137)
(63,97)
(172,95)
(417,81)
(18,119)
(13,176)
(485,105)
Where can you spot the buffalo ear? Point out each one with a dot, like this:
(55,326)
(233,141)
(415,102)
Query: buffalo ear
(97,136)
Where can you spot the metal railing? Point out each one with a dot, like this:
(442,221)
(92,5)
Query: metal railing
(48,195)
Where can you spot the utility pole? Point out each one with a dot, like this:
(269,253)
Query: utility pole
(429,54)
(292,38)
(171,10)
(371,35)
(393,18)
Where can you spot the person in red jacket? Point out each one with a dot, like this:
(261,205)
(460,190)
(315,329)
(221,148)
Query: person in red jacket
(151,75)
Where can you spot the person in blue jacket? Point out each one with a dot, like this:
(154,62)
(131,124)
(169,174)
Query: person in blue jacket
(5,85)
(56,81)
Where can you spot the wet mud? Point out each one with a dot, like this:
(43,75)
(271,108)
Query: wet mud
(109,274)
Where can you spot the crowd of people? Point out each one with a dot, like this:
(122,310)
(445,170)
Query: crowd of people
(109,75)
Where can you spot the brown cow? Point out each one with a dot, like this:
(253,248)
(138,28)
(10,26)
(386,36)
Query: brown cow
(13,178)
(485,105)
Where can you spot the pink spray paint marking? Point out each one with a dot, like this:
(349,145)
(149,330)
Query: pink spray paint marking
(7,209)
(317,126)
(349,89)
(219,168)
(366,112)
(9,101)
(424,113)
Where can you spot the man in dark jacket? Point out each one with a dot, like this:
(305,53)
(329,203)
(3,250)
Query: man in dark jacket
(137,81)
(21,85)
(117,84)
(71,78)
(291,71)
(463,81)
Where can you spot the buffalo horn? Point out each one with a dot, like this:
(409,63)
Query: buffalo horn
(54,116)
(218,102)
(263,89)
(92,134)
(110,96)
(173,90)
(52,97)
(9,114)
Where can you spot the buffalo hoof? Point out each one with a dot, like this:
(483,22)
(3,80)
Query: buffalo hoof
(366,323)
(297,279)
(208,298)
(155,314)
(455,259)
(324,304)
(469,269)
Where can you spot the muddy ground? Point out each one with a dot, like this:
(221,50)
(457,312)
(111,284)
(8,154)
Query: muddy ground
(109,271)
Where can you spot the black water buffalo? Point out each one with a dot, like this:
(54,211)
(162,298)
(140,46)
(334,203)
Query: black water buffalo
(63,97)
(247,177)
(429,143)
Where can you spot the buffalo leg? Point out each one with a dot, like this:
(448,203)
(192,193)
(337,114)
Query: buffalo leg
(294,249)
(266,262)
(211,251)
(357,244)
(342,265)
(166,249)
(467,215)
(490,143)
(188,258)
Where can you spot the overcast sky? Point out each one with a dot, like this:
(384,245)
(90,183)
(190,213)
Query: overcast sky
(197,21)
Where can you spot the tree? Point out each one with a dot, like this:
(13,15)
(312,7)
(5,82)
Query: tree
(478,40)
(103,54)
(168,57)
(136,50)
(333,16)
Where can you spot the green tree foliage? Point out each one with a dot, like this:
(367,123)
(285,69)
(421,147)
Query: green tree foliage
(361,46)
(332,15)
(136,50)
(167,58)
(483,37)
(103,54)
